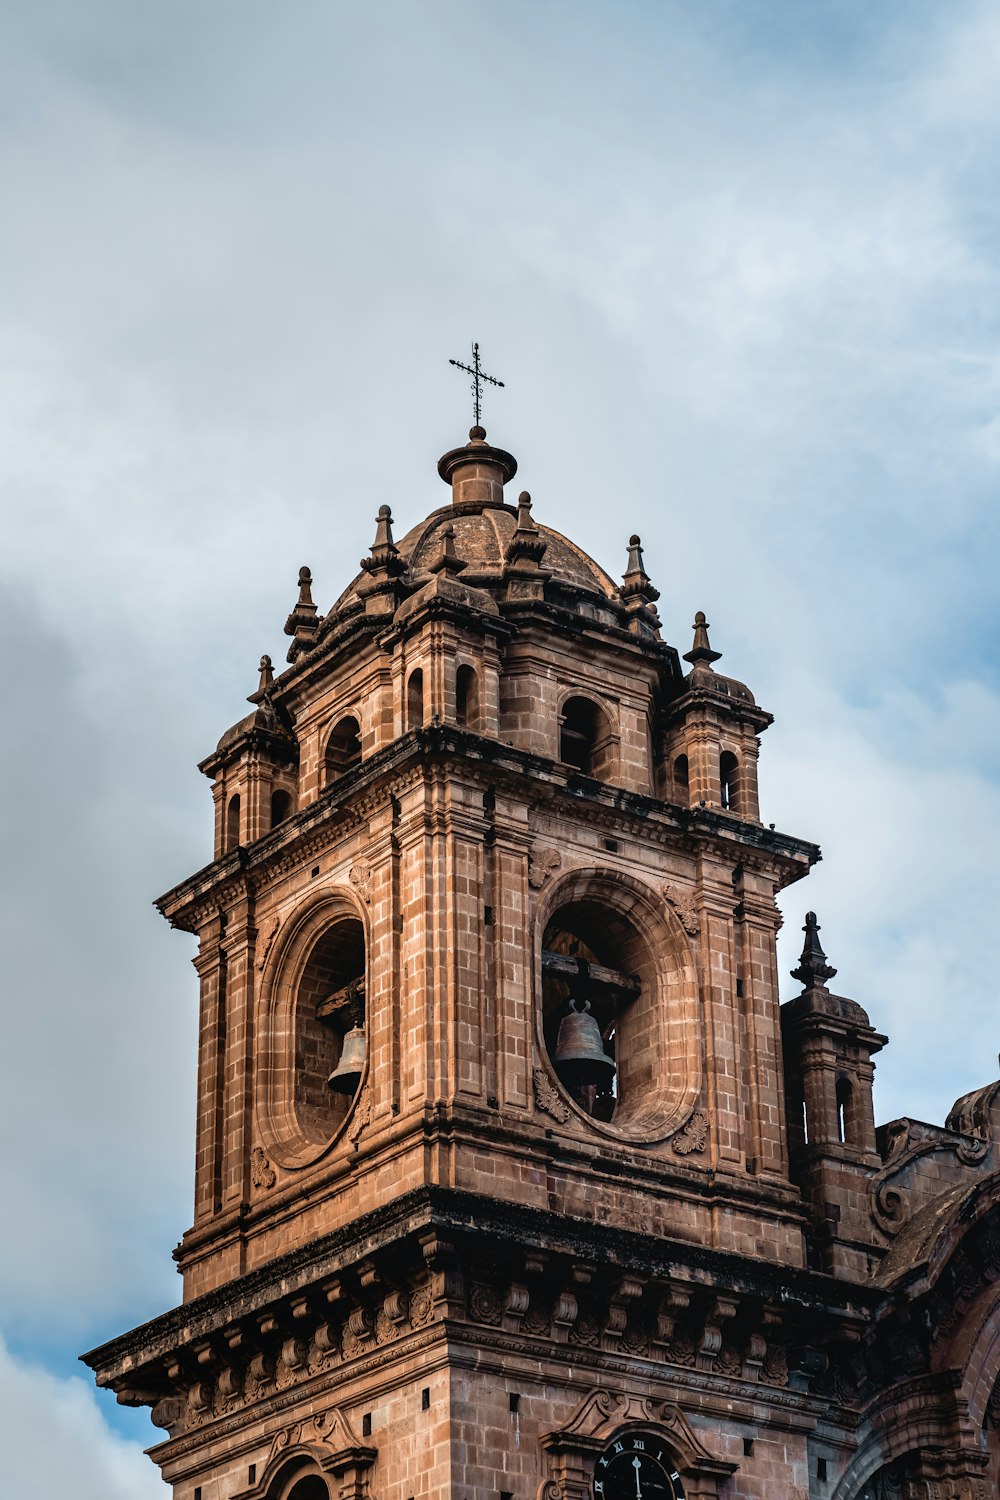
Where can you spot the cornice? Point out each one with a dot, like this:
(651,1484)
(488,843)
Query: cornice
(355,796)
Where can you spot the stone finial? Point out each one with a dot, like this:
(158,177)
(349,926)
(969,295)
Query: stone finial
(701,651)
(447,560)
(813,969)
(527,546)
(383,531)
(303,622)
(266,679)
(383,560)
(637,583)
(637,592)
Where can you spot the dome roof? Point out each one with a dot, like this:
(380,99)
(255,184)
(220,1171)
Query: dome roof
(482,534)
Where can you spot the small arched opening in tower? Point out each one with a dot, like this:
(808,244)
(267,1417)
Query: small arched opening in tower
(343,748)
(586,741)
(598,1011)
(729,780)
(329,1005)
(281,806)
(233,822)
(682,782)
(467,698)
(415,700)
(847,1123)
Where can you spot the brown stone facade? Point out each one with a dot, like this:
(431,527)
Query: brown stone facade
(506,1151)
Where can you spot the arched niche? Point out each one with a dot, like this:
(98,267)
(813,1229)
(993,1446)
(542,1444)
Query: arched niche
(467,697)
(312,994)
(343,749)
(607,924)
(587,739)
(730,781)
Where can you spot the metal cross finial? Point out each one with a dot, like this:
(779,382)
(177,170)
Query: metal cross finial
(477,379)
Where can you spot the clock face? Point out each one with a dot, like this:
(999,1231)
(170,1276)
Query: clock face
(636,1467)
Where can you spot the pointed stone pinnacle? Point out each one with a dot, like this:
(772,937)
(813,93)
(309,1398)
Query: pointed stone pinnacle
(266,679)
(701,651)
(303,622)
(447,560)
(813,969)
(527,546)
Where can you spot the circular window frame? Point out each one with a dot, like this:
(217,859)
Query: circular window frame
(278,1123)
(656,924)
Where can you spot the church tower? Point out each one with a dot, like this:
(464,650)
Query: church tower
(492,1186)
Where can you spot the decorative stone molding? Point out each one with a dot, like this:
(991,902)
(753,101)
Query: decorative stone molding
(361,1117)
(326,1442)
(692,1136)
(683,904)
(262,1174)
(542,863)
(547,1097)
(266,942)
(361,879)
(910,1140)
(572,1450)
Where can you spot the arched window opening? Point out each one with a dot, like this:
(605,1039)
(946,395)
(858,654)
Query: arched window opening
(329,1029)
(729,780)
(310,1487)
(281,807)
(805,1124)
(682,784)
(233,822)
(585,738)
(599,1014)
(415,700)
(844,1097)
(467,697)
(343,748)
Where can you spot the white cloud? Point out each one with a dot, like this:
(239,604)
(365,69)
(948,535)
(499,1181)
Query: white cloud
(741,282)
(57,1442)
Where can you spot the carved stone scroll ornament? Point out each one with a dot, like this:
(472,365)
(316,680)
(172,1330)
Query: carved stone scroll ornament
(266,942)
(362,1116)
(910,1140)
(361,879)
(693,1136)
(262,1174)
(542,863)
(547,1097)
(685,908)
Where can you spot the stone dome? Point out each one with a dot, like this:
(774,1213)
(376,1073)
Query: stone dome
(481,536)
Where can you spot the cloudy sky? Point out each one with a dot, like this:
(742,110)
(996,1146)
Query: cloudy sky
(738,265)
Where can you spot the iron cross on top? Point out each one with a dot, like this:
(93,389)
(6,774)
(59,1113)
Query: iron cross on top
(477,379)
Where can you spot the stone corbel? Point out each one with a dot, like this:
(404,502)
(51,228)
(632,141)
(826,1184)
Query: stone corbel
(447,1282)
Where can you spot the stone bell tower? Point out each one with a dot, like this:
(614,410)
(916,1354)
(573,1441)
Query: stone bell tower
(492,1192)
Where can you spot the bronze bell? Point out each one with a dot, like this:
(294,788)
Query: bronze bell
(347,1074)
(580,1057)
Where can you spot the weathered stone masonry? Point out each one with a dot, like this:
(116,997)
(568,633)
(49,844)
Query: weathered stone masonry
(489,858)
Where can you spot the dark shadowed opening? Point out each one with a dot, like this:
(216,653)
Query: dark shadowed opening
(415,700)
(281,807)
(343,748)
(233,822)
(330,1001)
(585,739)
(467,698)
